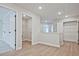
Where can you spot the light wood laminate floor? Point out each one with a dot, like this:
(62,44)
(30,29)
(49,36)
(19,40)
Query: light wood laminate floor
(68,49)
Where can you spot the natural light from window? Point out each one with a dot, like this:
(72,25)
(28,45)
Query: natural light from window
(47,27)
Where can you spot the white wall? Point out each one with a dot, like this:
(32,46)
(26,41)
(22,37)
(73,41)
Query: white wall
(35,24)
(55,26)
(60,32)
(35,29)
(51,39)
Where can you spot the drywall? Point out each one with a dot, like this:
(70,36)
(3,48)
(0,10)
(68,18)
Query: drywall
(26,29)
(60,32)
(51,39)
(35,29)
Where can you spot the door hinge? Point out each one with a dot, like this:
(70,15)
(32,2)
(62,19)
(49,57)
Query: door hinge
(15,30)
(15,16)
(15,45)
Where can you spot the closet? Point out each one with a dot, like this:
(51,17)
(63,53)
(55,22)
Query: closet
(70,31)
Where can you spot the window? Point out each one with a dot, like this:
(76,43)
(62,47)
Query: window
(47,27)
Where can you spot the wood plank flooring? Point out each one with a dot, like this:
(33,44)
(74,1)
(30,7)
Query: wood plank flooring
(68,49)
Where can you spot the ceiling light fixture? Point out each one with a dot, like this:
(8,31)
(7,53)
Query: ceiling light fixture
(40,8)
(59,13)
(66,16)
(24,15)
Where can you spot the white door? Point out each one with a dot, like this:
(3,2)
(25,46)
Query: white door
(12,29)
(5,29)
(71,31)
(9,29)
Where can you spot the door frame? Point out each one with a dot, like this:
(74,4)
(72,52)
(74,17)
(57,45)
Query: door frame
(24,13)
(68,22)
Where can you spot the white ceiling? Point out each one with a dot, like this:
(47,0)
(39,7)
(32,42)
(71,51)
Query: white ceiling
(50,10)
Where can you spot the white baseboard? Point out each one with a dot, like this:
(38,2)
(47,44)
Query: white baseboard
(35,43)
(71,41)
(49,44)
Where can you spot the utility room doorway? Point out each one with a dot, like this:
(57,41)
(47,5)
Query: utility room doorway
(26,31)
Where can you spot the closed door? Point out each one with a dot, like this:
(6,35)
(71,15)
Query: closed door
(5,29)
(9,29)
(71,31)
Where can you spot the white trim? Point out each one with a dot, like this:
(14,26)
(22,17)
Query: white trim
(35,43)
(49,44)
(71,41)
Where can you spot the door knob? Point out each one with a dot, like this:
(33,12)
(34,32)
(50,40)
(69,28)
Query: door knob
(9,32)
